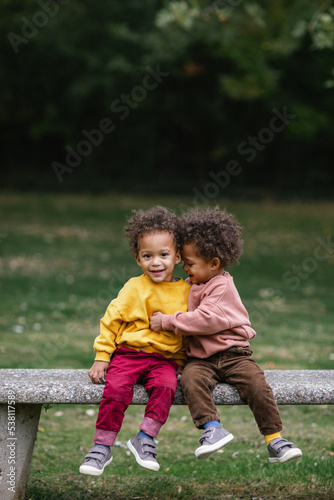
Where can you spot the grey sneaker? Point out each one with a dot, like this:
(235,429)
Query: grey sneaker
(212,439)
(281,450)
(144,452)
(96,460)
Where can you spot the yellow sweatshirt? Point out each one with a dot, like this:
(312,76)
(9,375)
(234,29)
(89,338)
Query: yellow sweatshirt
(126,321)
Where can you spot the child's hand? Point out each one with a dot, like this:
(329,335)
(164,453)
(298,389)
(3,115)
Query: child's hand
(155,321)
(179,370)
(97,373)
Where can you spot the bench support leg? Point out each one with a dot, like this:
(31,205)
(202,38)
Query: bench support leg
(17,444)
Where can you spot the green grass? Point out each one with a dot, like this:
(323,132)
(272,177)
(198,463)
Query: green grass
(241,470)
(63,258)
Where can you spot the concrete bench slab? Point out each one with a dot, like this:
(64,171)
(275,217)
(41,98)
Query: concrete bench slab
(290,387)
(23,392)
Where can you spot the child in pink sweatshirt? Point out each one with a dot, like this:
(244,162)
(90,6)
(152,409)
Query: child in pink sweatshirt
(218,328)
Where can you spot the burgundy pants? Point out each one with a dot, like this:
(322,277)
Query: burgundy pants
(127,367)
(236,367)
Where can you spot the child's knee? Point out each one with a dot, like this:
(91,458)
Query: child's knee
(162,386)
(190,377)
(118,389)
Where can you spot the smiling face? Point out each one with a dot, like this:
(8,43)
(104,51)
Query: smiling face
(198,269)
(157,256)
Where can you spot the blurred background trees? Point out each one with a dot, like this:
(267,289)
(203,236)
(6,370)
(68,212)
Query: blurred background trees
(161,96)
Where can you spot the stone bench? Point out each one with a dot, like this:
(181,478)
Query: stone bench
(23,392)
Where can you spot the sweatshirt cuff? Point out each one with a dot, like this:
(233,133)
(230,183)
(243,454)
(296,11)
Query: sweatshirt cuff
(166,322)
(102,356)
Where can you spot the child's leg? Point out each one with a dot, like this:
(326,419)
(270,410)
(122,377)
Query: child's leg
(160,381)
(240,370)
(122,374)
(243,372)
(197,381)
(117,396)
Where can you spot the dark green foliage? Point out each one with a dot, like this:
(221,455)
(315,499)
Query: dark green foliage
(185,87)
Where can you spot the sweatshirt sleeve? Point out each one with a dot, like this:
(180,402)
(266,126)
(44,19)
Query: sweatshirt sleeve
(215,313)
(207,319)
(110,324)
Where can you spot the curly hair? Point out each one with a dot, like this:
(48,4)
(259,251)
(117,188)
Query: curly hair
(215,233)
(156,219)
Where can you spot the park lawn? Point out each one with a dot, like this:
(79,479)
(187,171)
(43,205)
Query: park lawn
(63,258)
(241,470)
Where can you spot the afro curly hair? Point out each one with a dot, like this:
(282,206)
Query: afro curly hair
(215,233)
(156,219)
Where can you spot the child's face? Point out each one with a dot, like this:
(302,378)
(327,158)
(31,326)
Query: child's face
(157,256)
(197,268)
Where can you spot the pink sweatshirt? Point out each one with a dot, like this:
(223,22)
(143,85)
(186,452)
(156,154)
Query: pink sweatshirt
(216,318)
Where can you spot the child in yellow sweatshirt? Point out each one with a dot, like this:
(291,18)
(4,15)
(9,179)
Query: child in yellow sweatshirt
(128,351)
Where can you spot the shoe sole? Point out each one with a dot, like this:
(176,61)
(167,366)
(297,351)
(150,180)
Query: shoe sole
(144,463)
(289,455)
(208,449)
(91,471)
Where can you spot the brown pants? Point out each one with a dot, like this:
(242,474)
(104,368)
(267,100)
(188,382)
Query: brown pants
(236,367)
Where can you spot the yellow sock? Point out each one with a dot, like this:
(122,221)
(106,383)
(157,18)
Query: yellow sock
(270,437)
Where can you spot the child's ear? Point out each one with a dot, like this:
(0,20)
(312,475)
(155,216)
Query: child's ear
(215,263)
(178,258)
(137,260)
